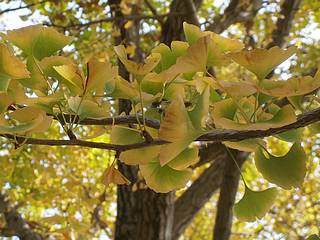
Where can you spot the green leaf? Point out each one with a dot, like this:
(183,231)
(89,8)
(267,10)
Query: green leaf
(87,108)
(254,204)
(248,145)
(185,159)
(262,61)
(124,135)
(38,41)
(286,171)
(164,179)
(200,111)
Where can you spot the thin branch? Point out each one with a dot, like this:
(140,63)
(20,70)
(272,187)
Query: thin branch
(23,7)
(15,224)
(115,18)
(129,119)
(213,136)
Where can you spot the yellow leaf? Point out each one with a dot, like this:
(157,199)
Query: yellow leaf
(113,175)
(262,61)
(137,68)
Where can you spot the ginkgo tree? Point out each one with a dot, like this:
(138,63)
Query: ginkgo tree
(176,103)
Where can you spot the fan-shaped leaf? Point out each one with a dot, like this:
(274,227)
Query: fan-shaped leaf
(286,171)
(261,61)
(254,204)
(163,178)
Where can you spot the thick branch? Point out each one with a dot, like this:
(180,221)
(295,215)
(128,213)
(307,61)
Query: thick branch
(15,224)
(284,22)
(213,136)
(194,198)
(237,11)
(228,191)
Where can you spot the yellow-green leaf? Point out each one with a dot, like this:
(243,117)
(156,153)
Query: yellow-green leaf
(185,159)
(11,67)
(176,127)
(224,116)
(113,175)
(163,179)
(286,171)
(294,86)
(137,68)
(87,109)
(38,41)
(254,204)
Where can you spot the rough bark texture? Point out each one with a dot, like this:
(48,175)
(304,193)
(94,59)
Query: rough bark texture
(15,224)
(141,214)
(197,195)
(172,29)
(228,191)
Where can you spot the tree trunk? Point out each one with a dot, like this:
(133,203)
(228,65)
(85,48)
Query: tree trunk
(143,214)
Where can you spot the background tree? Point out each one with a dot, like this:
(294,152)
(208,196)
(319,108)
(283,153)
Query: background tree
(58,191)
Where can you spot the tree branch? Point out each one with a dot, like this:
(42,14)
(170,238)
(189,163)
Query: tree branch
(228,191)
(194,198)
(284,22)
(217,135)
(23,7)
(115,18)
(237,11)
(15,224)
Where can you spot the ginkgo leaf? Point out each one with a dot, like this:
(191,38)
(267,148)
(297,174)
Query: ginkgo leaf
(248,145)
(137,68)
(100,74)
(294,86)
(85,108)
(113,175)
(200,111)
(73,77)
(293,135)
(163,179)
(38,41)
(122,89)
(167,57)
(195,60)
(224,113)
(254,204)
(176,127)
(29,120)
(124,135)
(185,159)
(193,33)
(11,67)
(45,103)
(37,80)
(237,89)
(217,45)
(286,171)
(262,61)
(48,63)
